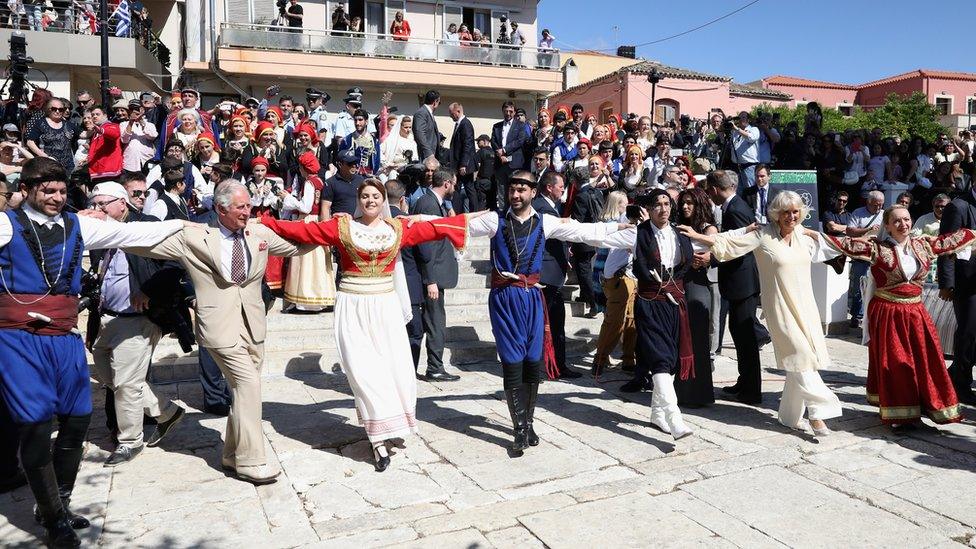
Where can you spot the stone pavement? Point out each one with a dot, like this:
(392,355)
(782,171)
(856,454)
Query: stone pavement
(601,477)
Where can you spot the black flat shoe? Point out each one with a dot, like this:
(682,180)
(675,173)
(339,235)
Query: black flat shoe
(61,534)
(633,386)
(731,389)
(164,427)
(381,463)
(441,376)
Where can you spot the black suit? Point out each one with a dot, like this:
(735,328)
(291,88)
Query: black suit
(425,133)
(463,155)
(512,147)
(752,197)
(587,206)
(553,277)
(738,282)
(960,276)
(437,265)
(415,328)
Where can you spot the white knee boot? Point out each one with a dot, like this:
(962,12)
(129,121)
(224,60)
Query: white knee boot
(664,407)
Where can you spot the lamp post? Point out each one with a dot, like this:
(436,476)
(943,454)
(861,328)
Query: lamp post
(103,27)
(653,77)
(970,103)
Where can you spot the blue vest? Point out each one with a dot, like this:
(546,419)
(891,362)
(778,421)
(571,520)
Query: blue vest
(567,152)
(20,260)
(504,248)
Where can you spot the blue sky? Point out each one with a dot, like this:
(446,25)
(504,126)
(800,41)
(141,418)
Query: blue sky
(834,40)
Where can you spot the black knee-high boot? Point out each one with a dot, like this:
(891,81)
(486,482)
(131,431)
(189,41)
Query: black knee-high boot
(66,456)
(531,392)
(516,407)
(35,455)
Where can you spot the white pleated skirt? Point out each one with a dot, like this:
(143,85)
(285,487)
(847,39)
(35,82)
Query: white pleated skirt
(374,353)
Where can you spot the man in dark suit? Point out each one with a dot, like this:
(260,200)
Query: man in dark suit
(425,131)
(507,140)
(463,160)
(738,282)
(438,271)
(758,196)
(957,282)
(586,208)
(395,195)
(554,267)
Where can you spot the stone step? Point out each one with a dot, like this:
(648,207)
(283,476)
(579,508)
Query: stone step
(317,332)
(325,359)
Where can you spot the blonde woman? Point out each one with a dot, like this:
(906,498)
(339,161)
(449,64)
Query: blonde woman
(615,276)
(784,254)
(633,178)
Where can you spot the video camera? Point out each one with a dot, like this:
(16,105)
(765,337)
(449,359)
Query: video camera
(20,64)
(281,5)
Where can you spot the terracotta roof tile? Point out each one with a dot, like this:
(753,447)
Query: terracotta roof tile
(782,80)
(756,91)
(668,71)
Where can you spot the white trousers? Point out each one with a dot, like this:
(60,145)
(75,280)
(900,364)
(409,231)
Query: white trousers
(806,392)
(122,353)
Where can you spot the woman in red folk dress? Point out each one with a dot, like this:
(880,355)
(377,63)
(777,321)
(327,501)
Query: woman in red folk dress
(373,305)
(907,374)
(310,279)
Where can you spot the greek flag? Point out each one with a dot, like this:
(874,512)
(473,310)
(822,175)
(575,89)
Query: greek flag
(123,19)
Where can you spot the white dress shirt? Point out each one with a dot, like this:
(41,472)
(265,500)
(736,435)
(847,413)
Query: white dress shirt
(909,265)
(98,234)
(227,252)
(667,244)
(553,227)
(506,126)
(160,209)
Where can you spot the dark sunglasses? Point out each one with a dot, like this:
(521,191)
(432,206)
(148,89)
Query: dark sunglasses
(58,109)
(139,193)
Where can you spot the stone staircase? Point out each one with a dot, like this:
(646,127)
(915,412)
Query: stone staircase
(299,343)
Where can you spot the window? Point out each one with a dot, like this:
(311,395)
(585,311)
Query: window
(846,110)
(665,110)
(479,19)
(606,110)
(943,105)
(971,105)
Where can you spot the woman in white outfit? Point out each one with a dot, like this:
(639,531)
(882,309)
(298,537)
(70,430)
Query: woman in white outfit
(783,254)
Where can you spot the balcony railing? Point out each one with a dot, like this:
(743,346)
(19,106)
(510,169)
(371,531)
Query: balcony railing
(383,45)
(81,18)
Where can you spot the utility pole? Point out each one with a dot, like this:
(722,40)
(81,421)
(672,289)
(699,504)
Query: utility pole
(103,27)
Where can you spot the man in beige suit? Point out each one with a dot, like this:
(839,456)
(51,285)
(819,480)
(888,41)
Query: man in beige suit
(226,264)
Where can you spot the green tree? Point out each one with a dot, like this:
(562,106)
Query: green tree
(903,116)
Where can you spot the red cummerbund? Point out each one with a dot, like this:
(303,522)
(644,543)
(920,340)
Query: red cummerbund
(523,281)
(61,309)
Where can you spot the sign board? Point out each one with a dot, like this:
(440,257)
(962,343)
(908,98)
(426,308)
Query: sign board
(803,183)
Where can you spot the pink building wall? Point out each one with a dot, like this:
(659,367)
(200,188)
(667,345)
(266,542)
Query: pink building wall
(693,97)
(874,96)
(592,97)
(739,103)
(826,97)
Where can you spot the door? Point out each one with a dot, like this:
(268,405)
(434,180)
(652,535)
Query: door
(375,18)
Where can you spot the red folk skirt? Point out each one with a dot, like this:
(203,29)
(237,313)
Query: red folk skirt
(277,267)
(907,373)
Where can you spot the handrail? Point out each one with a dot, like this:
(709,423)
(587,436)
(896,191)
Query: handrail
(385,45)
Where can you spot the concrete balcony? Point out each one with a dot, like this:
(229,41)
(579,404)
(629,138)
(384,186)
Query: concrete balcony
(271,51)
(132,65)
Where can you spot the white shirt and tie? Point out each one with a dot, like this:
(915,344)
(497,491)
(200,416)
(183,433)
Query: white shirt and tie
(506,127)
(762,197)
(667,245)
(234,257)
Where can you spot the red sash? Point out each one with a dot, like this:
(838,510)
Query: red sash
(62,310)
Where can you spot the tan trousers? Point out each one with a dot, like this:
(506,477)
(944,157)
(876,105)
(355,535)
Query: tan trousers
(618,320)
(122,353)
(241,365)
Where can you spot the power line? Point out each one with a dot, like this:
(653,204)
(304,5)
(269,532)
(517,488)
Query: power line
(689,31)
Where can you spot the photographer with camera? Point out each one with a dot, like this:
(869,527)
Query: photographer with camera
(132,309)
(340,20)
(138,137)
(745,150)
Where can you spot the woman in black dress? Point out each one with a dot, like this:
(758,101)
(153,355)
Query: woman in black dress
(695,210)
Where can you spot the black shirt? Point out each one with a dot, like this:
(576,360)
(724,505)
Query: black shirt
(294,9)
(342,194)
